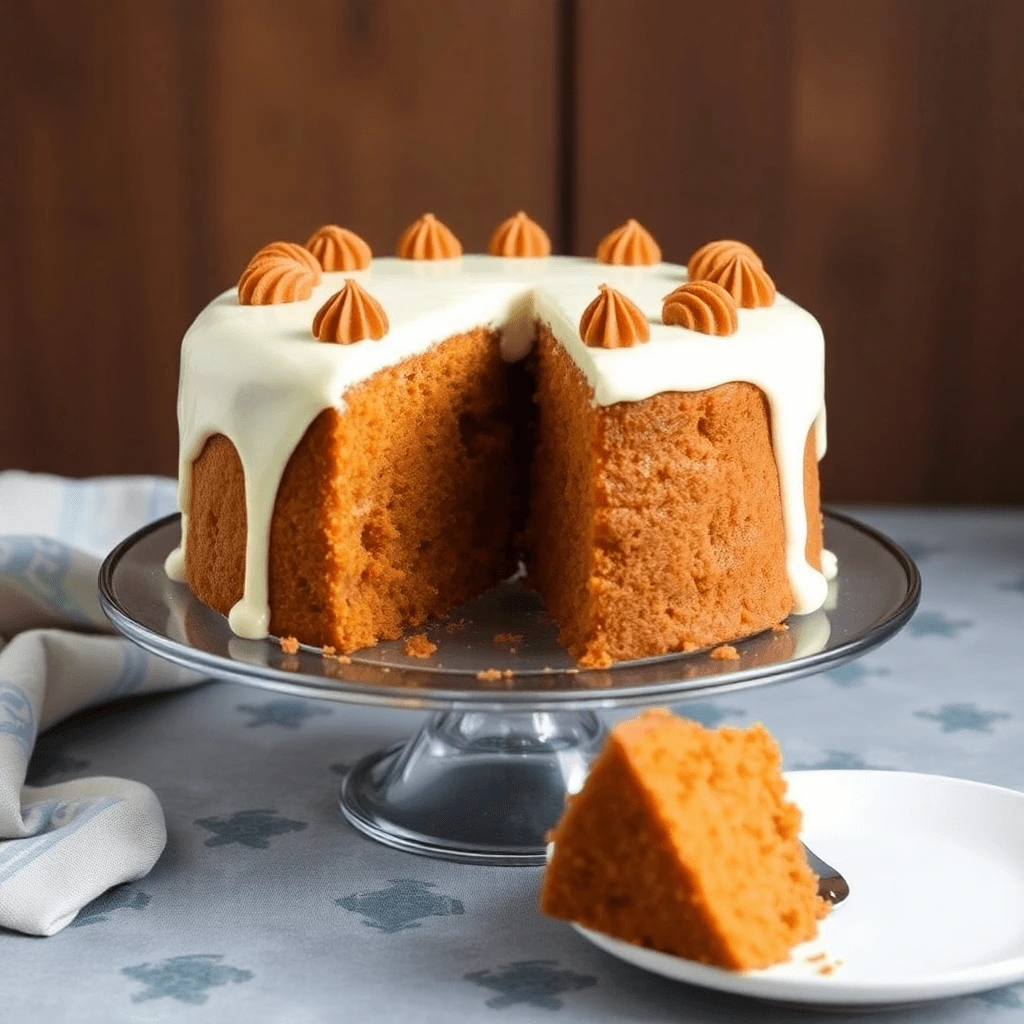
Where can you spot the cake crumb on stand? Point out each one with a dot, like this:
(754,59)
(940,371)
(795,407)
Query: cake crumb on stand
(418,646)
(329,652)
(489,675)
(725,652)
(289,644)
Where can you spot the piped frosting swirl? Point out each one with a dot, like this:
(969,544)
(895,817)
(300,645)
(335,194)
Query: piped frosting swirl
(337,248)
(612,321)
(349,315)
(701,306)
(279,272)
(428,239)
(520,237)
(737,268)
(630,243)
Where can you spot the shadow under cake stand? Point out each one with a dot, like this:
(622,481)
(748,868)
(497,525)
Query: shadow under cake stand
(514,728)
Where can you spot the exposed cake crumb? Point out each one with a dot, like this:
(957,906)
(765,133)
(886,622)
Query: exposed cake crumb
(489,675)
(508,673)
(726,652)
(289,645)
(454,626)
(328,652)
(547,670)
(780,627)
(418,646)
(508,638)
(689,647)
(817,958)
(826,969)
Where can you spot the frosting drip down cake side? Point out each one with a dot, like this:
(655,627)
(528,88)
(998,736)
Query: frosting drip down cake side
(343,482)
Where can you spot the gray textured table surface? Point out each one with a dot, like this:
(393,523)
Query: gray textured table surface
(267,907)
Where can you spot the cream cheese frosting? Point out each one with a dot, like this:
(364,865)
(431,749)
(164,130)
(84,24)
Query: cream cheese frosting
(258,375)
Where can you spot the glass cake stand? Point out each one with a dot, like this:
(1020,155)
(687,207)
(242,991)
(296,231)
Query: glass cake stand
(514,725)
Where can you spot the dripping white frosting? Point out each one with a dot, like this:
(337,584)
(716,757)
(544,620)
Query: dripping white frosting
(257,375)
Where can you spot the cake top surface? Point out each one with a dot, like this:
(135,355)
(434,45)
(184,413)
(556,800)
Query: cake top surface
(428,301)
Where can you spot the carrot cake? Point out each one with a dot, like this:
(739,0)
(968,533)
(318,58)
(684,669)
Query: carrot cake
(366,443)
(682,840)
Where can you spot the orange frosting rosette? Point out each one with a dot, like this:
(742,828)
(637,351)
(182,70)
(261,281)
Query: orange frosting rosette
(428,239)
(701,306)
(613,321)
(337,248)
(737,268)
(519,237)
(350,315)
(631,244)
(279,272)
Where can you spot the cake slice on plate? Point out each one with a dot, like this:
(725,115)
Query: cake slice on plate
(682,840)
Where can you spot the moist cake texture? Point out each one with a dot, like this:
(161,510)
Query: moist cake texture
(342,493)
(657,525)
(682,840)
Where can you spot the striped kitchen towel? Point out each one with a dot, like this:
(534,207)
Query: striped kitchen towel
(62,845)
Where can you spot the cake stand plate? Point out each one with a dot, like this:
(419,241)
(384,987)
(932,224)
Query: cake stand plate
(515,728)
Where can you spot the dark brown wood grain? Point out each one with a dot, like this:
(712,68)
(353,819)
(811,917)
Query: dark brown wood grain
(370,114)
(94,236)
(869,149)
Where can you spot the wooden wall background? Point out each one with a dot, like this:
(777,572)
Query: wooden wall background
(870,149)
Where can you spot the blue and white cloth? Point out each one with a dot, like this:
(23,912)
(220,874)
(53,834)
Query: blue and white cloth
(63,845)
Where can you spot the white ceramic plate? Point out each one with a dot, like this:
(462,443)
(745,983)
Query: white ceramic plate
(936,905)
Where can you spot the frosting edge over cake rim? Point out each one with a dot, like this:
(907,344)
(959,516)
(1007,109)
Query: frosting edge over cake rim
(257,375)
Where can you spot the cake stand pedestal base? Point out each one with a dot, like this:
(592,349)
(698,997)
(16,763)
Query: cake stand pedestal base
(474,786)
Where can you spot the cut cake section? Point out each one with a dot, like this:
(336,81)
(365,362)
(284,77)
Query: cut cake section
(397,508)
(682,840)
(657,525)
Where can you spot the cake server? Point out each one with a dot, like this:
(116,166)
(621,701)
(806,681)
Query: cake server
(831,885)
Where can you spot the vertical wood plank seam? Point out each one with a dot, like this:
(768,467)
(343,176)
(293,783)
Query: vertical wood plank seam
(565,190)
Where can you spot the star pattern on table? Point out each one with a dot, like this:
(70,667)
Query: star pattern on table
(185,978)
(121,897)
(287,712)
(937,624)
(533,982)
(253,828)
(403,904)
(964,717)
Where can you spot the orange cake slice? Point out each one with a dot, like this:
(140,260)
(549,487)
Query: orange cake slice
(682,840)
